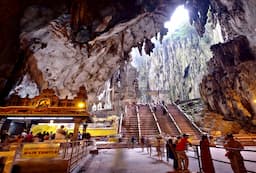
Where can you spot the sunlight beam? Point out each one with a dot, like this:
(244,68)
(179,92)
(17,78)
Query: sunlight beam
(179,17)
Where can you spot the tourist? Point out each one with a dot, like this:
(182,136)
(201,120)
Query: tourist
(164,111)
(29,137)
(46,136)
(148,144)
(206,157)
(4,137)
(142,143)
(51,136)
(154,108)
(181,146)
(171,153)
(158,148)
(60,133)
(133,141)
(233,148)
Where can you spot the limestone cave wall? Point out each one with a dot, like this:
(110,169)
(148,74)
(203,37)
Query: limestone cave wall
(12,58)
(63,60)
(229,87)
(176,66)
(66,44)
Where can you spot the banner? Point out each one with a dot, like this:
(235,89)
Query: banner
(40,150)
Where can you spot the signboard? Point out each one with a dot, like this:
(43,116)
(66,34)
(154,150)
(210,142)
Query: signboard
(40,150)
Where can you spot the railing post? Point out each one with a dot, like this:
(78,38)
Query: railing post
(156,121)
(120,124)
(65,149)
(71,156)
(138,119)
(172,119)
(192,122)
(198,158)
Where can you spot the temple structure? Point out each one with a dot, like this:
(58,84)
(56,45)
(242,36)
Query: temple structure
(45,107)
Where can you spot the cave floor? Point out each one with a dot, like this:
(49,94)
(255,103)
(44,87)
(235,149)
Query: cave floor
(137,161)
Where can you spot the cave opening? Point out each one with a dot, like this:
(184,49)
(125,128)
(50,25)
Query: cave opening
(174,69)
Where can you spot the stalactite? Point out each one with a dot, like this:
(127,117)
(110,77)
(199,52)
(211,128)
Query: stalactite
(198,14)
(149,46)
(163,32)
(139,46)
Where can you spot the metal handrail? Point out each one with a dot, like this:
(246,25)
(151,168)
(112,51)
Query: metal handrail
(198,156)
(138,119)
(120,124)
(193,124)
(74,152)
(154,115)
(196,148)
(172,119)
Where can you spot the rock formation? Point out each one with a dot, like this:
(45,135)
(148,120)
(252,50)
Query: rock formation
(66,44)
(176,66)
(55,59)
(229,88)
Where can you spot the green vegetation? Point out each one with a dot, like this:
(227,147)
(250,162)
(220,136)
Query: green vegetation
(183,32)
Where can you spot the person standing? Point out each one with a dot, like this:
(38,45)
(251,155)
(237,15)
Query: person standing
(171,153)
(181,146)
(206,157)
(133,141)
(149,145)
(142,143)
(233,148)
(61,133)
(158,148)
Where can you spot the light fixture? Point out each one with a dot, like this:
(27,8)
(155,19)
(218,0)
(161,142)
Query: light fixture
(15,118)
(81,105)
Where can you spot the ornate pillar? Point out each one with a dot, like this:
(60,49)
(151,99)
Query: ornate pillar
(77,122)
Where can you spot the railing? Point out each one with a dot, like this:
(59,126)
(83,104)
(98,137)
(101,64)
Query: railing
(72,152)
(196,150)
(172,119)
(138,119)
(242,151)
(193,153)
(157,124)
(120,124)
(192,122)
(75,151)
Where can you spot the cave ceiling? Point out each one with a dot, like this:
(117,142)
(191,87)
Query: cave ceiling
(66,44)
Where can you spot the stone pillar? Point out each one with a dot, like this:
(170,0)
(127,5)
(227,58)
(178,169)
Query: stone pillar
(77,122)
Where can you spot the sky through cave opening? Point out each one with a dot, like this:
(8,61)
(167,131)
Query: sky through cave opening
(175,68)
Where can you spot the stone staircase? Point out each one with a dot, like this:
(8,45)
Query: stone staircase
(184,124)
(130,123)
(166,125)
(148,124)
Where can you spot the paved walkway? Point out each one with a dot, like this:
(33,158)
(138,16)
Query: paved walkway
(135,161)
(126,161)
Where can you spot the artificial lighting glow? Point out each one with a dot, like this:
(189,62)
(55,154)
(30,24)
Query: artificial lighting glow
(179,17)
(254,101)
(81,105)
